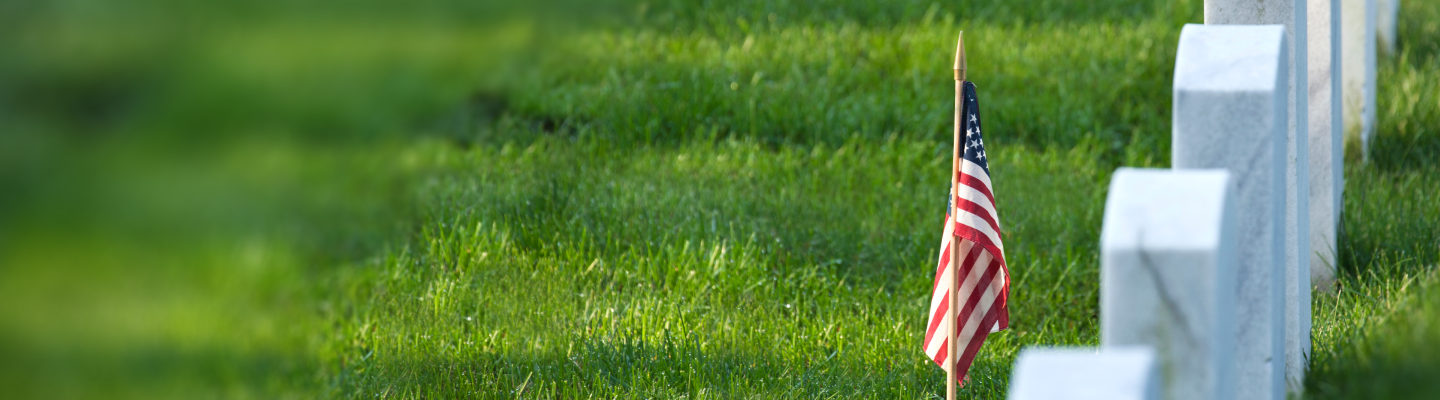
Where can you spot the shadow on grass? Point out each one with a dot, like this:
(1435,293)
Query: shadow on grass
(1405,151)
(629,368)
(715,15)
(154,371)
(1404,375)
(1384,344)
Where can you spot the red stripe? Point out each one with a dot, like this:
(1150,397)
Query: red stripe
(977,184)
(944,354)
(998,312)
(937,317)
(972,299)
(979,211)
(968,357)
(986,321)
(1004,309)
(962,270)
(968,308)
(980,239)
(967,265)
(1004,296)
(944,260)
(983,240)
(1004,300)
(944,306)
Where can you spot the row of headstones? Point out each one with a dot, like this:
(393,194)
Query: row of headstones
(1207,269)
(1367,27)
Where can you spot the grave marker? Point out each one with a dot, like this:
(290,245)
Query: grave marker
(1292,14)
(1085,374)
(1357,42)
(1230,101)
(1326,158)
(1386,18)
(1167,276)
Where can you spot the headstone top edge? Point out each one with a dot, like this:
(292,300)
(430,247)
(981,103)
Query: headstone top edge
(1088,351)
(1129,372)
(1165,209)
(1229,58)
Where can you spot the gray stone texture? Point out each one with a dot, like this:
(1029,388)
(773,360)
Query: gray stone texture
(1292,14)
(1167,276)
(1385,24)
(1230,111)
(1357,50)
(1326,156)
(1127,373)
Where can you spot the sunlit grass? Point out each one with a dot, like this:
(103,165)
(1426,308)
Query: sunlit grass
(731,268)
(723,200)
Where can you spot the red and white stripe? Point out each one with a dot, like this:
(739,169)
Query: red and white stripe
(984,283)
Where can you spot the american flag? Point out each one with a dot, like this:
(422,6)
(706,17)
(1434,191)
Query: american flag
(972,225)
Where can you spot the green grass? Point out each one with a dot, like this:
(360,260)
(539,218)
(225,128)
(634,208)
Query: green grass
(657,200)
(670,261)
(1376,338)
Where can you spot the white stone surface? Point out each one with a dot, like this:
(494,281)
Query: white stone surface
(1357,42)
(1385,24)
(1326,156)
(1085,374)
(1230,111)
(1326,175)
(1292,14)
(1167,276)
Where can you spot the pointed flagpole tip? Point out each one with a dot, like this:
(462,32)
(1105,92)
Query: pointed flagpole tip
(960,57)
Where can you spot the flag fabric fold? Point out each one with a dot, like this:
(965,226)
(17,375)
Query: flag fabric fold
(972,226)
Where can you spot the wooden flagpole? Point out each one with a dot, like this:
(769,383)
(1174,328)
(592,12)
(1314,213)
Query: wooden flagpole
(952,352)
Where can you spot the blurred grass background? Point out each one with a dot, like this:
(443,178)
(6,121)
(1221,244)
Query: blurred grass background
(605,199)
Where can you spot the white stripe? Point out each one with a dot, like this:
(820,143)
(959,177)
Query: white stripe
(971,168)
(971,279)
(969,193)
(966,289)
(974,221)
(972,321)
(967,334)
(943,281)
(941,287)
(932,349)
(945,240)
(1000,279)
(942,333)
(940,291)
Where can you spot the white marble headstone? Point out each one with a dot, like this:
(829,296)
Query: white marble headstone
(1085,374)
(1386,20)
(1292,14)
(1326,168)
(1357,54)
(1230,102)
(1327,159)
(1167,276)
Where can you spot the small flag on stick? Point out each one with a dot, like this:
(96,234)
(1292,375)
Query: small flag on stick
(972,282)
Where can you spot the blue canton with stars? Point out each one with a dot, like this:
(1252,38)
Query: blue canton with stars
(974,146)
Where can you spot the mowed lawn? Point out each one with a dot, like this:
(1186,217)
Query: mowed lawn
(629,200)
